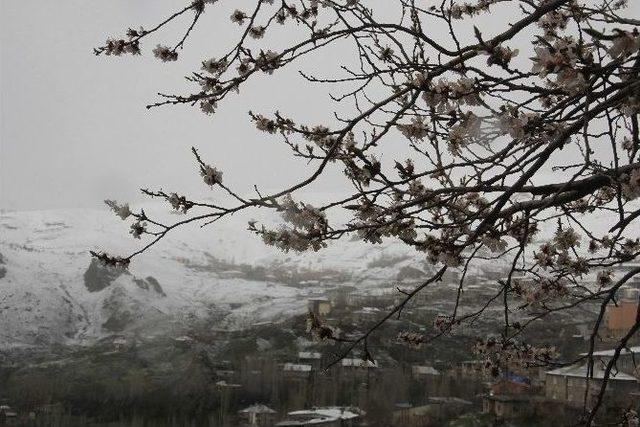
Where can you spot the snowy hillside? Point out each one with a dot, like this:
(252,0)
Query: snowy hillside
(52,292)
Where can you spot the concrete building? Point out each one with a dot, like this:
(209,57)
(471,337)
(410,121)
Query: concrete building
(621,317)
(509,407)
(323,417)
(258,415)
(296,370)
(628,360)
(569,385)
(434,412)
(319,306)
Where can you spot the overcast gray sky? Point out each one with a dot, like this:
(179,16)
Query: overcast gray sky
(74,128)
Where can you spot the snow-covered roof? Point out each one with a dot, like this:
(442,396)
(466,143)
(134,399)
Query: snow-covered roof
(296,367)
(425,370)
(581,372)
(223,384)
(258,408)
(359,363)
(309,355)
(328,412)
(610,353)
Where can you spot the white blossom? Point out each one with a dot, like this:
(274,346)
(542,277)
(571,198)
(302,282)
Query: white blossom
(210,175)
(165,54)
(122,211)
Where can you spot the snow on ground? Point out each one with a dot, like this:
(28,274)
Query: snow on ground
(43,297)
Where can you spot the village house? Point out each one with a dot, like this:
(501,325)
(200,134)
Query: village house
(310,358)
(424,371)
(511,397)
(323,417)
(621,317)
(509,407)
(8,416)
(471,369)
(257,415)
(628,360)
(436,410)
(296,370)
(358,364)
(569,385)
(319,306)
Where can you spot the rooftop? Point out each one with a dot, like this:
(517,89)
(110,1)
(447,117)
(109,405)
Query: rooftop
(361,363)
(581,372)
(309,355)
(425,370)
(258,408)
(296,367)
(610,353)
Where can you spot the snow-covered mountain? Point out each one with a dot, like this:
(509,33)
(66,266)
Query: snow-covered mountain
(51,291)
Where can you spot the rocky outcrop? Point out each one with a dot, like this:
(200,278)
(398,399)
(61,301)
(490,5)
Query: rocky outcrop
(97,277)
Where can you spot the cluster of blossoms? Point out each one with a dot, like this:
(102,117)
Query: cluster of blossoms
(138,228)
(118,47)
(208,106)
(287,239)
(418,129)
(625,44)
(514,123)
(457,11)
(374,231)
(165,54)
(264,124)
(210,175)
(386,54)
(557,252)
(267,62)
(309,227)
(500,353)
(123,211)
(111,261)
(179,203)
(521,229)
(373,222)
(303,216)
(442,323)
(291,11)
(467,128)
(533,291)
(631,188)
(214,66)
(320,135)
(238,16)
(412,339)
(501,55)
(362,175)
(257,32)
(493,240)
(561,58)
(438,250)
(554,21)
(318,329)
(444,95)
(603,278)
(622,248)
(199,5)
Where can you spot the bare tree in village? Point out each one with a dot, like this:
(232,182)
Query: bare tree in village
(510,128)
